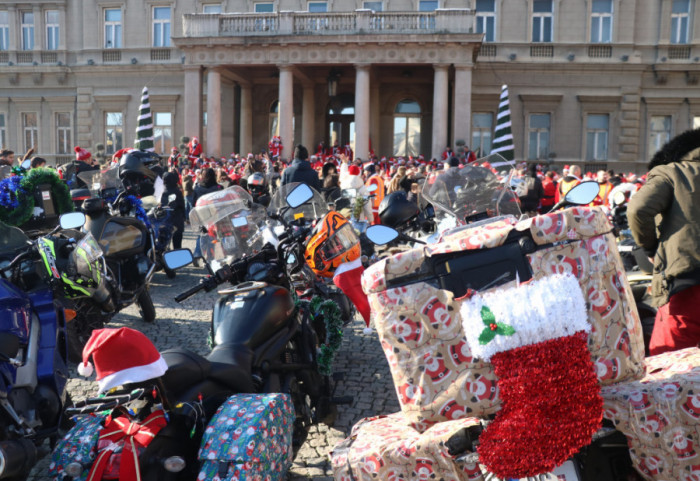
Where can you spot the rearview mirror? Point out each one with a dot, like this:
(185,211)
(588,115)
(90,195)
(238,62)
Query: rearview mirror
(27,164)
(300,194)
(72,220)
(177,258)
(582,194)
(381,234)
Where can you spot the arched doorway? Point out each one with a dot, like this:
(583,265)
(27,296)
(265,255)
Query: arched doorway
(340,121)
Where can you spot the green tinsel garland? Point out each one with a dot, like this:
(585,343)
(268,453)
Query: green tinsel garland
(29,182)
(334,330)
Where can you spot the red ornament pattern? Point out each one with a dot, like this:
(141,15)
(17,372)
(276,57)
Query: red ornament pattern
(551,407)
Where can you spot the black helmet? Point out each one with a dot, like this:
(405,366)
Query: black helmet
(137,162)
(256,183)
(396,210)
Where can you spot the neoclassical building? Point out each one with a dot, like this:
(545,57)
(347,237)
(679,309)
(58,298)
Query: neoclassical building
(599,82)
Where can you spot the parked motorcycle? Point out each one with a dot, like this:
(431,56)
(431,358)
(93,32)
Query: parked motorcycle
(123,231)
(33,282)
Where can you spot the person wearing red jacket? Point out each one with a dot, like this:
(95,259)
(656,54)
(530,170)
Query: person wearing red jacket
(550,191)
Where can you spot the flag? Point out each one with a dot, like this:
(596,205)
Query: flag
(503,136)
(348,278)
(144,130)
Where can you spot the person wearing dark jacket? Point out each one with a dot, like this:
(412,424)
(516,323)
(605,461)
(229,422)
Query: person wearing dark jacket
(206,186)
(300,170)
(172,197)
(535,192)
(664,216)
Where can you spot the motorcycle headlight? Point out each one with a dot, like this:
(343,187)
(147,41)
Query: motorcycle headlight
(142,266)
(174,464)
(74,470)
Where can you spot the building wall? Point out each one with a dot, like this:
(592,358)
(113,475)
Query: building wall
(644,76)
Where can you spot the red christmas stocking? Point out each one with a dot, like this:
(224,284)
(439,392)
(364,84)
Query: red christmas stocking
(535,335)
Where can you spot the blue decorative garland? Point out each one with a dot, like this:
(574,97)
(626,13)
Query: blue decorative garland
(9,190)
(139,211)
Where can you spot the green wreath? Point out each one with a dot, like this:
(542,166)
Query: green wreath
(29,184)
(330,313)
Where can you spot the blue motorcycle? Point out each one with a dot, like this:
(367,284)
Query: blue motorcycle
(33,371)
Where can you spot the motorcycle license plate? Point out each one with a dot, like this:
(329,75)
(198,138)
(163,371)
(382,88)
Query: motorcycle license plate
(565,472)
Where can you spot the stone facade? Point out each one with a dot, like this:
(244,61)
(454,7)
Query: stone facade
(250,74)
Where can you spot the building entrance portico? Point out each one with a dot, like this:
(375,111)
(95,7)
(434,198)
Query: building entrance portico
(241,77)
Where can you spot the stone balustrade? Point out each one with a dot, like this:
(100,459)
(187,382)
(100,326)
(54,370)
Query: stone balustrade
(337,23)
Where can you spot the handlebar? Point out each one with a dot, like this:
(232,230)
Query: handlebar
(191,292)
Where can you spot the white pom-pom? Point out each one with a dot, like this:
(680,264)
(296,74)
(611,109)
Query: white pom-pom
(85,370)
(367,330)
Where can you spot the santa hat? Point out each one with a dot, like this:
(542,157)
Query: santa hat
(121,356)
(348,278)
(82,154)
(353,170)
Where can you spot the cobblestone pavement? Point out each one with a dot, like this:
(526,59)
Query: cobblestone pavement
(367,376)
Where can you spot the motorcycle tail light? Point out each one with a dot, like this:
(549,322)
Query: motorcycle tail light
(69,314)
(74,470)
(174,464)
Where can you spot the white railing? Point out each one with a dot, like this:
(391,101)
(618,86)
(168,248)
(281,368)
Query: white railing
(339,23)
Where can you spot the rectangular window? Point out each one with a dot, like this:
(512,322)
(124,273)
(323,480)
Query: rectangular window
(64,143)
(601,21)
(114,132)
(539,126)
(427,5)
(264,7)
(542,19)
(163,132)
(482,127)
(30,130)
(3,132)
(659,132)
(52,30)
(211,8)
(597,136)
(27,30)
(486,19)
(4,30)
(113,28)
(374,6)
(318,7)
(161,26)
(680,20)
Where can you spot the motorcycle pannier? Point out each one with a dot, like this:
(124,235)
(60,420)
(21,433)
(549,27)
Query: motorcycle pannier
(415,300)
(249,437)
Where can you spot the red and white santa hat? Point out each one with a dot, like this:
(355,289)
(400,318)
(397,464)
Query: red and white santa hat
(121,356)
(353,170)
(81,154)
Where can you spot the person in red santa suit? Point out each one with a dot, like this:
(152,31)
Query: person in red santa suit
(347,150)
(275,147)
(194,150)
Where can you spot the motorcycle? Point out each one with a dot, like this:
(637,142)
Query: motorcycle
(163,230)
(33,371)
(465,273)
(123,231)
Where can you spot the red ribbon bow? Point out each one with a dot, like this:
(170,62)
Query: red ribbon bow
(133,436)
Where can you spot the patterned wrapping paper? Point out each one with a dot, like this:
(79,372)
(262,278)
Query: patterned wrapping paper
(79,445)
(253,434)
(419,326)
(388,448)
(660,415)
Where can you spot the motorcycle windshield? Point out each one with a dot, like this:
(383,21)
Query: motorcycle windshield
(11,239)
(314,208)
(88,248)
(102,180)
(478,190)
(230,224)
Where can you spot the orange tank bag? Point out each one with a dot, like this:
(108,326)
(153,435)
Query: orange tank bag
(378,196)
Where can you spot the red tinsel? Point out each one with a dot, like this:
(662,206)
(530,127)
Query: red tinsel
(551,407)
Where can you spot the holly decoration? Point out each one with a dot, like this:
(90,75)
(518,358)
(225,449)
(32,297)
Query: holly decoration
(493,328)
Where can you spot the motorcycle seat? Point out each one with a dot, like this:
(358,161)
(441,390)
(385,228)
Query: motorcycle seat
(228,365)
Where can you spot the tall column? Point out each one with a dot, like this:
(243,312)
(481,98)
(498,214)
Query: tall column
(14,33)
(308,119)
(462,103)
(439,110)
(286,110)
(213,144)
(246,119)
(193,101)
(362,116)
(375,130)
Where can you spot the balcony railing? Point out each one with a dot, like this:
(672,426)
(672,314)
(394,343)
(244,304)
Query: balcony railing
(453,20)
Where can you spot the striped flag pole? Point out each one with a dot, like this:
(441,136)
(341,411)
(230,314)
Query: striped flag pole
(503,136)
(144,130)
